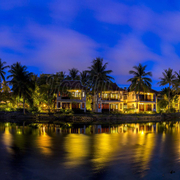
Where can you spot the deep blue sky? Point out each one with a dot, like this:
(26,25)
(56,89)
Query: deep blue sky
(51,36)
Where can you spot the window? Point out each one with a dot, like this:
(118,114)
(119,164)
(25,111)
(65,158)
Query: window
(148,107)
(83,94)
(120,106)
(154,106)
(125,97)
(59,94)
(136,105)
(82,105)
(58,105)
(116,106)
(132,96)
(99,106)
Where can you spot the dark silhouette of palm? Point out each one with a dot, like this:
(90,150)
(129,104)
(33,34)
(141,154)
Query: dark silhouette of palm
(73,74)
(169,78)
(2,72)
(140,81)
(22,83)
(98,76)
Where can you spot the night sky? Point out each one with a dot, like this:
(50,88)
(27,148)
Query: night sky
(51,36)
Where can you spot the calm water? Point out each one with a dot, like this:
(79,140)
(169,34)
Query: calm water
(126,151)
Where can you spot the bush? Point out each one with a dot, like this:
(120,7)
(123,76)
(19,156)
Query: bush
(34,110)
(171,110)
(78,111)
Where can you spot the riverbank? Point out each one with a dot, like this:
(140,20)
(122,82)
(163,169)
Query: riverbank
(17,117)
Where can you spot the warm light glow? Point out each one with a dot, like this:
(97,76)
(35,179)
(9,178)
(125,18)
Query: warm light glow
(7,139)
(44,142)
(105,148)
(77,148)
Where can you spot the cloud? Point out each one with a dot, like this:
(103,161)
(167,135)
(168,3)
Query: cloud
(128,52)
(61,49)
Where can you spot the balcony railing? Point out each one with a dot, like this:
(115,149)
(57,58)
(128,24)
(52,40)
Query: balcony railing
(66,97)
(110,99)
(146,99)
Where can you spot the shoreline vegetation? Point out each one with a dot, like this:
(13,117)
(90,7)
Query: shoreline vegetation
(39,94)
(18,117)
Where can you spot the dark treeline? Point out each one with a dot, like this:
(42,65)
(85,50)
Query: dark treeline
(39,93)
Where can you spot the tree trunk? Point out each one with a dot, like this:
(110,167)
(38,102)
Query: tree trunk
(97,102)
(24,105)
(169,97)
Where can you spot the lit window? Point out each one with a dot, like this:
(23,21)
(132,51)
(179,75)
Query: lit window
(83,94)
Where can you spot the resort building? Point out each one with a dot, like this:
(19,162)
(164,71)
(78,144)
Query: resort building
(109,99)
(143,101)
(122,100)
(72,95)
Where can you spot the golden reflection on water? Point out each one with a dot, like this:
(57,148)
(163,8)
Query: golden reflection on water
(77,149)
(144,150)
(44,142)
(105,148)
(7,139)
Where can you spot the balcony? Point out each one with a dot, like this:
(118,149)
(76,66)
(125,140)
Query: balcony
(110,99)
(146,99)
(67,97)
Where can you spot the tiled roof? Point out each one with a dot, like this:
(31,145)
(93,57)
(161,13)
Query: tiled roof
(149,90)
(110,87)
(72,85)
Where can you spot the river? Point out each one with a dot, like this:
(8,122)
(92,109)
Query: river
(124,151)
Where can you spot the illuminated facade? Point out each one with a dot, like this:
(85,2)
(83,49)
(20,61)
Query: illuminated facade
(72,95)
(122,100)
(142,102)
(109,99)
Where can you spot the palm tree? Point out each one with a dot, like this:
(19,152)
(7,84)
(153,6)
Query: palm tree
(168,78)
(140,81)
(84,77)
(98,75)
(2,72)
(22,83)
(73,74)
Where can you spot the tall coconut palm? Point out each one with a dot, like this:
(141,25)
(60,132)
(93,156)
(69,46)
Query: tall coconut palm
(2,72)
(73,74)
(22,83)
(141,80)
(169,78)
(84,77)
(98,75)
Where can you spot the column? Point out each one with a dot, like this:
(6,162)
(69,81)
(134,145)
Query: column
(84,106)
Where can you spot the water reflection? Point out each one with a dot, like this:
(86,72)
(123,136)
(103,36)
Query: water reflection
(7,138)
(105,149)
(132,147)
(77,149)
(44,142)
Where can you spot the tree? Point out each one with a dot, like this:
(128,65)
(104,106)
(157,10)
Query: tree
(2,72)
(140,81)
(73,74)
(169,78)
(22,83)
(84,77)
(98,75)
(5,92)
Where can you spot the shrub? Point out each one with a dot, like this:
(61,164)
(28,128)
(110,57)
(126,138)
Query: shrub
(171,110)
(34,110)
